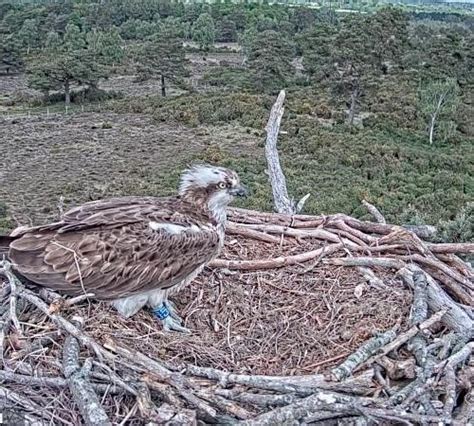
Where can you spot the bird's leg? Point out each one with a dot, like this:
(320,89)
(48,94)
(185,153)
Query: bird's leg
(173,311)
(169,323)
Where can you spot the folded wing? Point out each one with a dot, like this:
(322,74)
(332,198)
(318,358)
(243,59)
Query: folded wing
(117,250)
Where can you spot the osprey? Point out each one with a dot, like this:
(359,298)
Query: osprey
(131,251)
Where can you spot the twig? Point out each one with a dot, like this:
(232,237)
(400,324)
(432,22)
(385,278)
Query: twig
(5,269)
(79,384)
(234,229)
(278,262)
(179,382)
(384,262)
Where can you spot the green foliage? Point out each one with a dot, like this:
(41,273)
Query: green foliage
(226,30)
(228,78)
(76,59)
(247,40)
(173,27)
(135,29)
(162,55)
(10,54)
(107,46)
(28,35)
(193,110)
(6,223)
(461,227)
(441,52)
(203,31)
(373,70)
(269,61)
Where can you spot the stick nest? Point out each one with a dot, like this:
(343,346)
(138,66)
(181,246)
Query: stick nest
(315,301)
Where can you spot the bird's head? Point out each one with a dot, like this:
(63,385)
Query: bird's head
(214,186)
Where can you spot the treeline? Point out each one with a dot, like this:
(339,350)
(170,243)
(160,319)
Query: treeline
(363,65)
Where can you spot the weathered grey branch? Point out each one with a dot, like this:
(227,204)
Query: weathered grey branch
(300,385)
(457,358)
(423,231)
(83,393)
(404,337)
(53,382)
(465,416)
(321,401)
(362,354)
(418,314)
(456,318)
(449,379)
(281,200)
(176,380)
(374,212)
(264,400)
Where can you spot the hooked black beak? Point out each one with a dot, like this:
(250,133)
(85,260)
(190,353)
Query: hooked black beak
(239,191)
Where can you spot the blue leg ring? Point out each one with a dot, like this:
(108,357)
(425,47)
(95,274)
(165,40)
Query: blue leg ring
(161,312)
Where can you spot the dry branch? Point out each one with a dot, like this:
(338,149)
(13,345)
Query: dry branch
(404,337)
(281,200)
(374,212)
(456,318)
(300,385)
(176,380)
(21,401)
(83,393)
(362,354)
(278,262)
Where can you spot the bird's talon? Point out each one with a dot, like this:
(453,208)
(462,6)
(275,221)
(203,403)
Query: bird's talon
(172,310)
(170,324)
(170,320)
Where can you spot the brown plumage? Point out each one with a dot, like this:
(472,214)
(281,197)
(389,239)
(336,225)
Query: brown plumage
(125,247)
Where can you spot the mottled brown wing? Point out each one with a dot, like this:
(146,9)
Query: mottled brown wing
(123,210)
(112,261)
(88,211)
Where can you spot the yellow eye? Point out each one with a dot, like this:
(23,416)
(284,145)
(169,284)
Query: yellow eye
(222,185)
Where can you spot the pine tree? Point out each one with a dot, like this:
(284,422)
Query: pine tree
(10,55)
(203,31)
(61,64)
(269,60)
(162,55)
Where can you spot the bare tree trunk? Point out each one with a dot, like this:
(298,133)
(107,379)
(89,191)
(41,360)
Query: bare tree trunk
(354,99)
(434,116)
(163,86)
(67,92)
(281,200)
